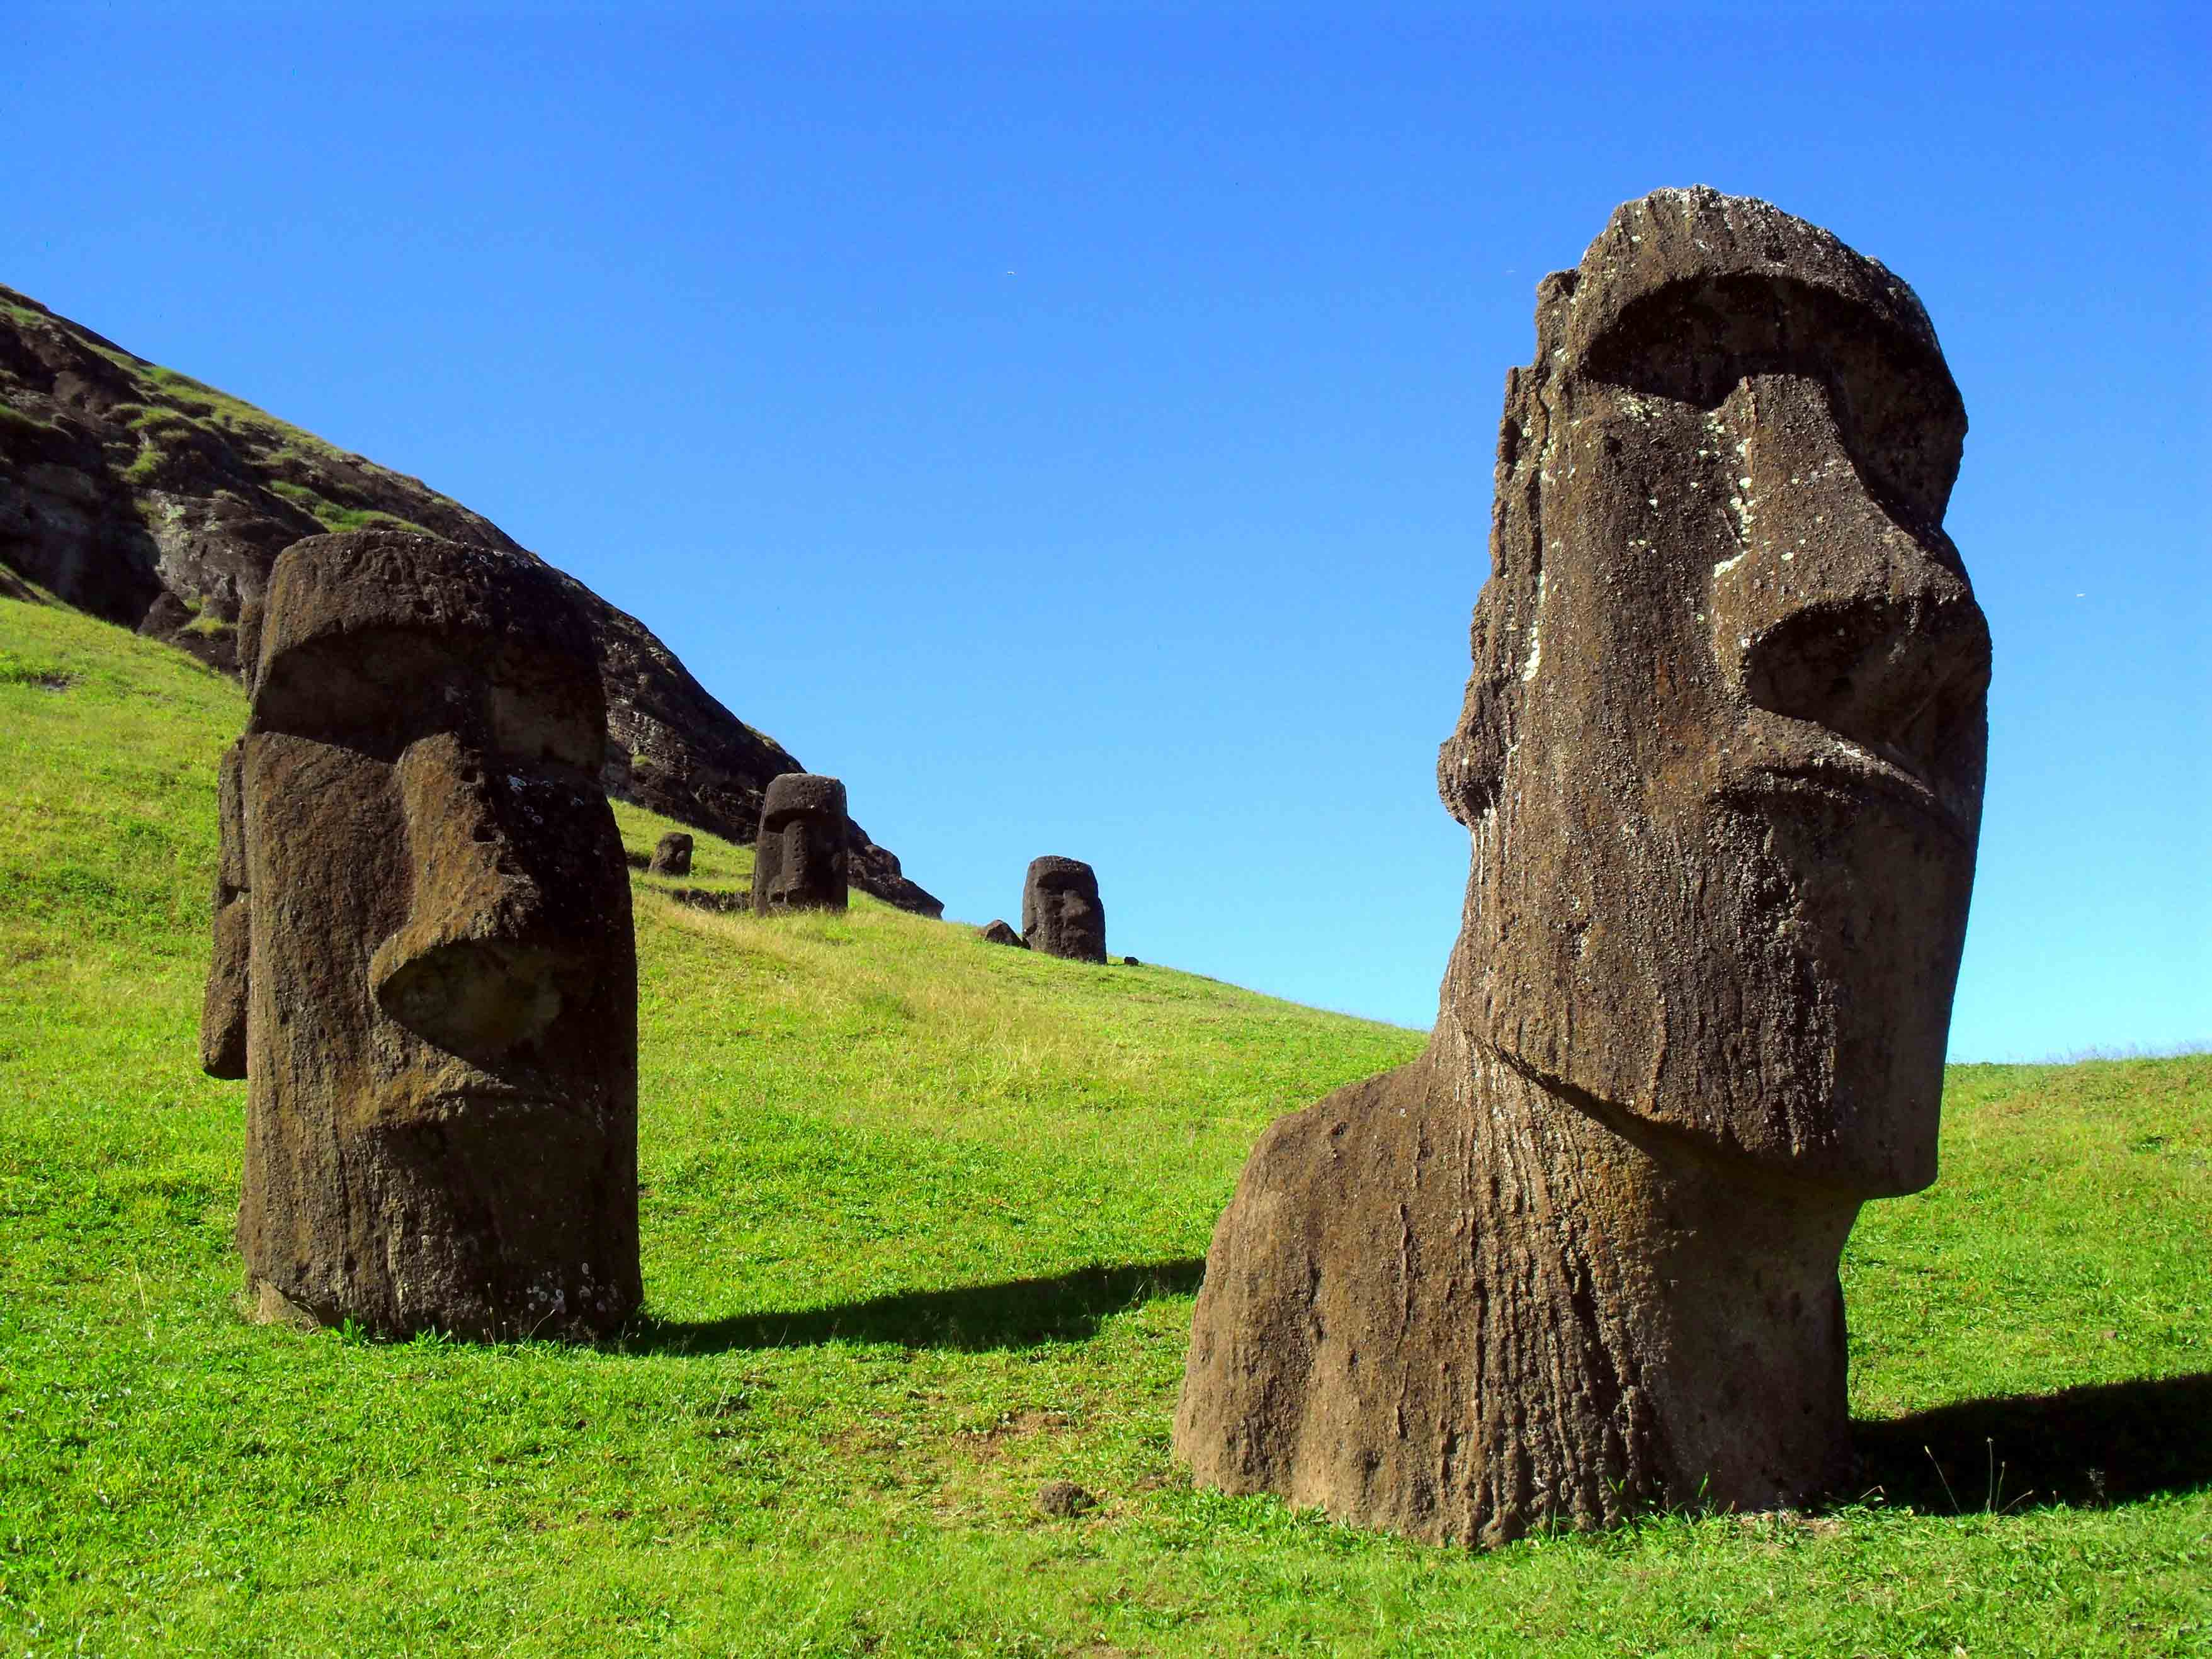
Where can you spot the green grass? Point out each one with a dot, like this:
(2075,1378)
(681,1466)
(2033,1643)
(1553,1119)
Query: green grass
(921,1217)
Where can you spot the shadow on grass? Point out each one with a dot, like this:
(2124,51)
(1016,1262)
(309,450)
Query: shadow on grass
(1018,1314)
(2105,1443)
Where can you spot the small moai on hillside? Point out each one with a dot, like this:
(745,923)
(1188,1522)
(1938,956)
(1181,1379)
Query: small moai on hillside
(672,857)
(799,862)
(1061,915)
(1721,759)
(424,966)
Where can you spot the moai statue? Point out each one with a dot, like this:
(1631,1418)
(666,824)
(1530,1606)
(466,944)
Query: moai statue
(1721,759)
(1061,915)
(424,966)
(798,863)
(672,857)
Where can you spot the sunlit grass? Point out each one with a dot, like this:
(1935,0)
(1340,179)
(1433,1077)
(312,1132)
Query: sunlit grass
(921,1218)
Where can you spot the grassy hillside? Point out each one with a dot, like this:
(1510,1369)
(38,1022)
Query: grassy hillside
(922,1225)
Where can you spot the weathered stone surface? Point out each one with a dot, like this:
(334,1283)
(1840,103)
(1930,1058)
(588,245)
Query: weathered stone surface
(798,863)
(1061,915)
(424,930)
(672,857)
(1060,1499)
(1721,759)
(1002,933)
(160,504)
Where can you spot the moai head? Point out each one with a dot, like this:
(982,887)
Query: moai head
(672,857)
(1722,755)
(424,965)
(1061,915)
(798,863)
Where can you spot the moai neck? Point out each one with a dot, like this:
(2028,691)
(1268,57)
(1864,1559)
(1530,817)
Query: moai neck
(1683,1325)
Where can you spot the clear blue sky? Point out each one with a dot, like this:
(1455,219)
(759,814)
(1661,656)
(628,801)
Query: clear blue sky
(1074,426)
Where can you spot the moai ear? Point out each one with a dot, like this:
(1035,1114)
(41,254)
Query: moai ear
(222,1017)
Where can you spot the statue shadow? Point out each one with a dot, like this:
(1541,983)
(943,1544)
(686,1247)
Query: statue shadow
(1019,1313)
(2102,1443)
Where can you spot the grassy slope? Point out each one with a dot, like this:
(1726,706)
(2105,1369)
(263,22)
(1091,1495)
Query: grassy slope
(921,1218)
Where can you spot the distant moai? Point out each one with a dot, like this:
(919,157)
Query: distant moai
(798,863)
(672,857)
(1000,932)
(424,966)
(1721,759)
(1061,915)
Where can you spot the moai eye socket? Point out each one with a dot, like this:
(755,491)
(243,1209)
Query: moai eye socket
(1695,341)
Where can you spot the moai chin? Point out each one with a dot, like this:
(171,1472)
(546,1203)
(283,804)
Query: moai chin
(1721,759)
(1061,915)
(799,862)
(423,962)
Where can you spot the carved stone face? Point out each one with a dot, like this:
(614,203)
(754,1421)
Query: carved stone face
(1722,753)
(438,979)
(1061,915)
(798,863)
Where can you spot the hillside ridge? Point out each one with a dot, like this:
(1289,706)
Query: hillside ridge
(148,498)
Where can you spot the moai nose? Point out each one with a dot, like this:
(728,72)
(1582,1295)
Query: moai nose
(474,968)
(1840,610)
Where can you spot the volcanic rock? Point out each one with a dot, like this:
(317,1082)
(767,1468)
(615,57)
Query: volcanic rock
(1721,759)
(1061,915)
(672,857)
(999,932)
(1062,1498)
(799,862)
(424,960)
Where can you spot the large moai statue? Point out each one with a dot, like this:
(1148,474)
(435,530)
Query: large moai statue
(1721,759)
(424,963)
(1061,915)
(799,862)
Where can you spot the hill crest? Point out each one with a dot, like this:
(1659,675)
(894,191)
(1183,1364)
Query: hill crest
(150,499)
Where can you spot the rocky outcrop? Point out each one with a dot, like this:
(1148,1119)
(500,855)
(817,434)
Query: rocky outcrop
(150,499)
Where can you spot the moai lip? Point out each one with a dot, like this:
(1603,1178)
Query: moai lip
(1721,759)
(799,862)
(424,966)
(1061,915)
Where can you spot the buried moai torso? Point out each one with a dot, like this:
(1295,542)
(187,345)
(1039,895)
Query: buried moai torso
(423,964)
(799,862)
(1061,915)
(1721,759)
(672,856)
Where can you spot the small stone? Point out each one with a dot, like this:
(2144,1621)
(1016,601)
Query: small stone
(1062,1498)
(1128,962)
(999,933)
